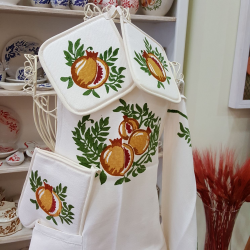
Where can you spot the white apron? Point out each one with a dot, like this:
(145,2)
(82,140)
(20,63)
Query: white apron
(115,98)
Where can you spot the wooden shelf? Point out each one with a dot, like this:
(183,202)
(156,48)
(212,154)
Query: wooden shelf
(28,10)
(5,168)
(4,92)
(24,234)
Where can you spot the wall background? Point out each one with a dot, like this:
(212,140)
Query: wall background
(210,45)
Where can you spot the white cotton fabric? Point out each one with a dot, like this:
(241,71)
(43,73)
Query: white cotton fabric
(57,169)
(100,34)
(133,38)
(44,237)
(178,185)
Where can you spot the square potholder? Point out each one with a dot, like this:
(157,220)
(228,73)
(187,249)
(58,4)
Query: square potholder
(56,191)
(148,63)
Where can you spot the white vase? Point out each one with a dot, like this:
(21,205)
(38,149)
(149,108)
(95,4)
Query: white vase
(156,7)
(77,4)
(41,3)
(133,5)
(60,4)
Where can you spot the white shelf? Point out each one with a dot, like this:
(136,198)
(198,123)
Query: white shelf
(72,13)
(24,234)
(4,92)
(5,168)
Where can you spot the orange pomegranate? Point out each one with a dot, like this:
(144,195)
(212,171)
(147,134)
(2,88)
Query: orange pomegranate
(48,200)
(139,140)
(117,158)
(127,126)
(155,66)
(90,72)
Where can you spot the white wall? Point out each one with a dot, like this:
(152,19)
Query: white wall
(211,38)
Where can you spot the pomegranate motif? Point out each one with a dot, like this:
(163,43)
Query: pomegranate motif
(117,158)
(146,3)
(127,126)
(155,66)
(48,200)
(90,72)
(139,140)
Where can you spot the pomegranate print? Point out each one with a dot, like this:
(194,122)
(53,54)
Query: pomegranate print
(153,63)
(90,71)
(155,66)
(127,126)
(123,157)
(146,3)
(50,199)
(139,140)
(117,158)
(133,5)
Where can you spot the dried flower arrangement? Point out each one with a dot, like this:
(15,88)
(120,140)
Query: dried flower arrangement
(223,185)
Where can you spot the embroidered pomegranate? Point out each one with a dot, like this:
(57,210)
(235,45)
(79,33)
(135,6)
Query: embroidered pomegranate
(127,126)
(89,72)
(48,200)
(117,158)
(139,140)
(155,66)
(146,3)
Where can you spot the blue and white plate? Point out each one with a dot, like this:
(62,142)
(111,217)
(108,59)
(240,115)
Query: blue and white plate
(44,86)
(13,53)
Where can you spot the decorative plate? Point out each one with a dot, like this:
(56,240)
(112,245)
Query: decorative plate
(44,86)
(12,86)
(13,53)
(11,80)
(6,151)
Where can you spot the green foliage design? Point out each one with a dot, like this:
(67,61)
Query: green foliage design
(155,6)
(116,78)
(142,61)
(90,142)
(146,119)
(66,214)
(185,133)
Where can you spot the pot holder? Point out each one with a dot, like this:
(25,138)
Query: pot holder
(87,65)
(148,62)
(44,237)
(56,191)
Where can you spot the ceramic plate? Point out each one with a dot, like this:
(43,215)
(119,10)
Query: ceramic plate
(8,79)
(13,53)
(12,86)
(44,86)
(6,151)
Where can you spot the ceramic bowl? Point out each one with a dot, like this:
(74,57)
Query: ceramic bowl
(15,159)
(9,221)
(41,3)
(103,3)
(133,5)
(156,7)
(77,4)
(12,86)
(2,76)
(60,4)
(9,2)
(20,74)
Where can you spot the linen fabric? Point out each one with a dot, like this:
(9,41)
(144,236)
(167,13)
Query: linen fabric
(44,237)
(71,189)
(178,181)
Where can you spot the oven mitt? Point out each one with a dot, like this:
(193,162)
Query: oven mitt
(87,65)
(44,237)
(56,192)
(148,62)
